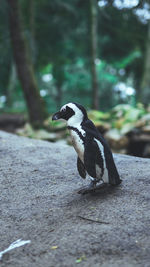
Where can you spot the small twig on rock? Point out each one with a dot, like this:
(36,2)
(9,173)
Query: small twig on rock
(52,230)
(91,220)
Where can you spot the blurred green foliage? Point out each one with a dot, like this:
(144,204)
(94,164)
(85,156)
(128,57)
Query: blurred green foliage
(58,38)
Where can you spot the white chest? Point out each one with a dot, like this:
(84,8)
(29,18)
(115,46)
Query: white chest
(78,144)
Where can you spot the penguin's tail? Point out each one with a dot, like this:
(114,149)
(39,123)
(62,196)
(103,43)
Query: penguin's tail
(115,180)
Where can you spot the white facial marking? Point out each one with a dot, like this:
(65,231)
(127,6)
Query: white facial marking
(105,176)
(63,108)
(77,118)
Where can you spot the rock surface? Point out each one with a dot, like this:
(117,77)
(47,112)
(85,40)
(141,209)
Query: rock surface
(39,202)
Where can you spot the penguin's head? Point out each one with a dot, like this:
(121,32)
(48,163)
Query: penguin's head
(72,112)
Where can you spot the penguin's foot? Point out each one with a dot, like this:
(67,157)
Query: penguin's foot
(91,188)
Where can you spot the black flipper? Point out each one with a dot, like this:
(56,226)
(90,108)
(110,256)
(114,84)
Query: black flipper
(81,168)
(92,133)
(92,157)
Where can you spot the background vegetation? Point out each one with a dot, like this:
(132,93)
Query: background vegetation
(93,52)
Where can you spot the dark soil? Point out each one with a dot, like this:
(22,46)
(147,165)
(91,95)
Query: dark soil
(10,122)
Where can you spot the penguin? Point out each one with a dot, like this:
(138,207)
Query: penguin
(94,156)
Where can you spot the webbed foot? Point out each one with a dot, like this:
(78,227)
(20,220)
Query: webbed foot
(92,188)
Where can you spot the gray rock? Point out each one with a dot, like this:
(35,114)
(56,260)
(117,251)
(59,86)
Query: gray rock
(39,202)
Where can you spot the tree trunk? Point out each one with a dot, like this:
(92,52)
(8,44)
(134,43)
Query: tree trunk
(93,45)
(58,74)
(145,85)
(32,8)
(11,85)
(59,96)
(34,102)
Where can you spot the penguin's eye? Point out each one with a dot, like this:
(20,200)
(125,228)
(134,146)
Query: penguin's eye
(63,109)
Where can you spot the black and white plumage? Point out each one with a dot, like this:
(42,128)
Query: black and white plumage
(94,156)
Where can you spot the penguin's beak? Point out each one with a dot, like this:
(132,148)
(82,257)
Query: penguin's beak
(56,116)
